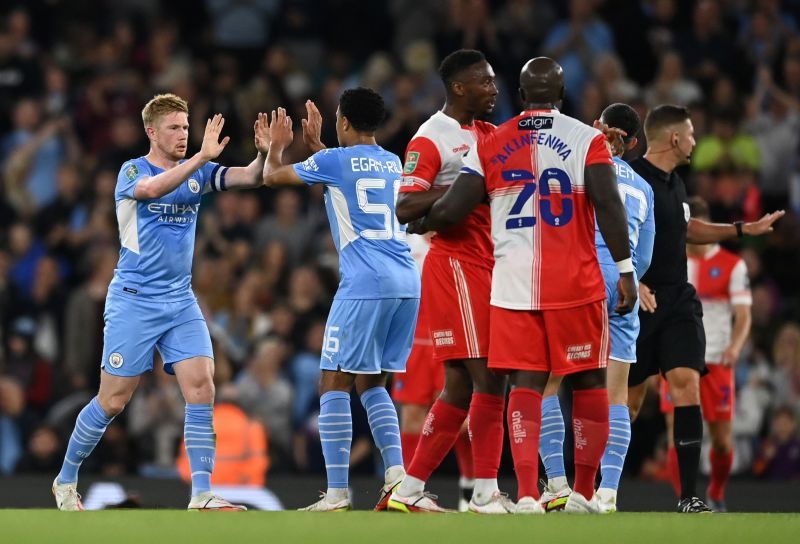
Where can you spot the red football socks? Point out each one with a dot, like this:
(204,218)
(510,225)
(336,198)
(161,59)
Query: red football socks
(463,449)
(590,428)
(720,470)
(524,417)
(408,441)
(486,428)
(438,436)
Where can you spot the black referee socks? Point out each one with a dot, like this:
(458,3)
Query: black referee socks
(687,434)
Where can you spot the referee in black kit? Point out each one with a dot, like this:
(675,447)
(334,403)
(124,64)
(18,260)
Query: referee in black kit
(672,339)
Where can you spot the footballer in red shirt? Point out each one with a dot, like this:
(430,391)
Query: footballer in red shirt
(546,176)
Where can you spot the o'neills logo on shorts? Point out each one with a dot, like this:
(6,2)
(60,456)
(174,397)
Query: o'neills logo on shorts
(517,430)
(444,338)
(581,351)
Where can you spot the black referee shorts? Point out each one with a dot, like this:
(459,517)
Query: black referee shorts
(672,337)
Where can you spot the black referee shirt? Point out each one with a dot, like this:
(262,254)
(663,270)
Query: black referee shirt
(668,266)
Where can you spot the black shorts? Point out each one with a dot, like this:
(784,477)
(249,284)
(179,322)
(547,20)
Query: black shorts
(672,337)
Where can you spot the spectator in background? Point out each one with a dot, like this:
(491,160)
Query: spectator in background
(83,321)
(43,453)
(779,456)
(786,358)
(32,373)
(726,145)
(287,226)
(576,44)
(12,404)
(670,86)
(242,453)
(32,153)
(774,121)
(614,84)
(304,374)
(267,396)
(707,50)
(155,421)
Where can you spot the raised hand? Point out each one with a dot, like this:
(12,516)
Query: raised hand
(614,136)
(763,225)
(212,146)
(312,127)
(261,133)
(280,129)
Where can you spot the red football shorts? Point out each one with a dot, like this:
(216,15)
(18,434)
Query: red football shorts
(717,394)
(559,341)
(424,377)
(456,295)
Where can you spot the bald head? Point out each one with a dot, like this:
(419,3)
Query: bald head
(541,81)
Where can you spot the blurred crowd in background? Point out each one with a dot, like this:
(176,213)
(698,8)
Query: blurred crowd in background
(75,75)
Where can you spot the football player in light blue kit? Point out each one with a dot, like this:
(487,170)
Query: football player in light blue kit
(150,303)
(638,198)
(371,324)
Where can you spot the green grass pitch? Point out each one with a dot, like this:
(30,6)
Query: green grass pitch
(173,527)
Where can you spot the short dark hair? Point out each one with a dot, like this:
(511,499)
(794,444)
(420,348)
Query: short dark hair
(664,116)
(458,61)
(698,208)
(363,107)
(624,117)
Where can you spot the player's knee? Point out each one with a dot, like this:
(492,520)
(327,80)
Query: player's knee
(685,388)
(412,418)
(456,395)
(113,405)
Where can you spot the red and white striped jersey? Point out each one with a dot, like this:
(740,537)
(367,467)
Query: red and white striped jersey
(542,219)
(433,159)
(720,278)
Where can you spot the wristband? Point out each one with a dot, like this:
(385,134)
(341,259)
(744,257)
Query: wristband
(739,225)
(625,265)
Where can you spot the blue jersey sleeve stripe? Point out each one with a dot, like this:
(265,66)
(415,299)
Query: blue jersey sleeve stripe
(468,170)
(213,177)
(222,172)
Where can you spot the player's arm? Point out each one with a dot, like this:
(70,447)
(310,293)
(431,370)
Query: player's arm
(601,186)
(742,320)
(413,205)
(150,187)
(647,239)
(455,205)
(741,300)
(417,192)
(250,176)
(280,136)
(703,232)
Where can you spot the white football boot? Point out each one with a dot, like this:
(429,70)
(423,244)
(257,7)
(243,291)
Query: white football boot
(498,503)
(578,504)
(529,505)
(208,502)
(67,497)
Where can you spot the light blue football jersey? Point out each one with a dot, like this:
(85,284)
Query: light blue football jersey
(637,195)
(157,236)
(361,186)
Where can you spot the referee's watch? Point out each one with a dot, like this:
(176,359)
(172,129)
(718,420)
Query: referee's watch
(739,225)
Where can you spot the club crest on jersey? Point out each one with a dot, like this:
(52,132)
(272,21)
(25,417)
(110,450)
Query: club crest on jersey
(687,214)
(131,172)
(535,123)
(194,186)
(115,360)
(412,158)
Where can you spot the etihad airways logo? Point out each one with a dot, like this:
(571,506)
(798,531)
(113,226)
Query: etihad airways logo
(174,213)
